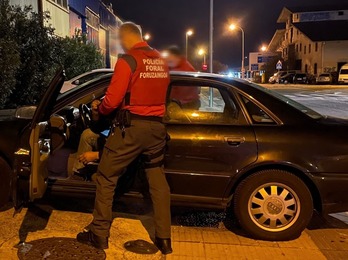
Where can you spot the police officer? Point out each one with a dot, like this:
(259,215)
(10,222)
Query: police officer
(138,88)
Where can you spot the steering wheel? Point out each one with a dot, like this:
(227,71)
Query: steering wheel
(86,117)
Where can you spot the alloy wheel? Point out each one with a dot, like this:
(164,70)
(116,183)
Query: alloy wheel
(274,207)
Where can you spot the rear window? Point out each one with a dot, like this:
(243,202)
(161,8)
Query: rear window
(344,71)
(309,112)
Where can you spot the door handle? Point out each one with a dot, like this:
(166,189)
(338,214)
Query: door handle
(234,141)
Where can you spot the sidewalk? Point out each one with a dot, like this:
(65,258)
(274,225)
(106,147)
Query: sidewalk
(324,239)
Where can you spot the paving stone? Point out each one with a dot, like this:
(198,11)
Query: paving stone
(186,234)
(304,241)
(220,237)
(187,249)
(335,254)
(329,239)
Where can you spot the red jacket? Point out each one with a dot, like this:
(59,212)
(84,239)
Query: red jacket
(181,93)
(139,83)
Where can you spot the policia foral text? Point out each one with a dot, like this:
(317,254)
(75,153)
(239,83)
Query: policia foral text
(138,88)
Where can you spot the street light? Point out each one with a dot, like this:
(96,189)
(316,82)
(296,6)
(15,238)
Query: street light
(188,34)
(232,28)
(147,37)
(263,48)
(201,52)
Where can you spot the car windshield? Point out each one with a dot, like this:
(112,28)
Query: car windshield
(79,87)
(344,71)
(309,112)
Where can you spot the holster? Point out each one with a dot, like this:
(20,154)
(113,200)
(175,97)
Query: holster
(123,118)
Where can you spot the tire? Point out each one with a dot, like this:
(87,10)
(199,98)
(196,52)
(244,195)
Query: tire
(5,182)
(267,217)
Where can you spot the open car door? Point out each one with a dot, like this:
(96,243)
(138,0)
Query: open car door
(30,176)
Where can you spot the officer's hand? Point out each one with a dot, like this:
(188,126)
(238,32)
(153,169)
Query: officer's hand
(88,157)
(95,104)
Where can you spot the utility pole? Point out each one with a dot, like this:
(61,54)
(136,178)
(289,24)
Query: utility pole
(211,49)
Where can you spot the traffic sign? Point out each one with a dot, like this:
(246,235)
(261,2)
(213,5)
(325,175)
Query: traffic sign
(279,65)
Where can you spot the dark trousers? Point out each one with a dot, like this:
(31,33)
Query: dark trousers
(143,137)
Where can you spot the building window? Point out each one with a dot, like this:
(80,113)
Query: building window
(306,68)
(300,47)
(62,3)
(309,48)
(305,49)
(296,47)
(315,68)
(316,46)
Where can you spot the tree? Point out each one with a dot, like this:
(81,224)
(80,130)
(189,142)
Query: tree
(78,56)
(219,67)
(30,54)
(270,66)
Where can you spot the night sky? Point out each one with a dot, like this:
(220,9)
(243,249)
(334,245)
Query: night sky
(168,20)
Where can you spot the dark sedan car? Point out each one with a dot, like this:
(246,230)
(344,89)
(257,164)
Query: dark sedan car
(270,158)
(287,78)
(300,78)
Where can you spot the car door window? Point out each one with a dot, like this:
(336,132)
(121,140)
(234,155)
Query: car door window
(190,103)
(256,113)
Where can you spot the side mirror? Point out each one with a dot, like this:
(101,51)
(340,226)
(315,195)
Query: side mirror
(26,112)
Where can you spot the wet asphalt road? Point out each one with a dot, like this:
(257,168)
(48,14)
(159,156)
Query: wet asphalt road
(329,101)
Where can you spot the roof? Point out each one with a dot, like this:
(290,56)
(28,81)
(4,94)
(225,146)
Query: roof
(276,40)
(324,30)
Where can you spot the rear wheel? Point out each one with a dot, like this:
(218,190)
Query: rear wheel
(273,205)
(5,182)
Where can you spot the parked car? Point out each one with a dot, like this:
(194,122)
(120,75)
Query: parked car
(83,78)
(300,78)
(325,78)
(272,159)
(343,75)
(276,77)
(287,78)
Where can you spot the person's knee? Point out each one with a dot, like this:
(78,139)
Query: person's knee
(88,136)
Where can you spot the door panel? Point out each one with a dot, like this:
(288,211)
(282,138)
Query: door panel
(210,139)
(40,151)
(200,160)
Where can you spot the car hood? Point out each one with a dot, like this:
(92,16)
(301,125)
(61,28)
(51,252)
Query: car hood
(7,114)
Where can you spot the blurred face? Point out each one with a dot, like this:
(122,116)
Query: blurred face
(173,61)
(126,40)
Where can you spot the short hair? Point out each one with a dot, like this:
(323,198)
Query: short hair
(131,28)
(174,50)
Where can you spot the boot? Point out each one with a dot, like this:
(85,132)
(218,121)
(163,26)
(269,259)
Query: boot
(164,245)
(90,238)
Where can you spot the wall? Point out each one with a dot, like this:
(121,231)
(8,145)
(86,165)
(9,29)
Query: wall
(33,3)
(335,52)
(59,18)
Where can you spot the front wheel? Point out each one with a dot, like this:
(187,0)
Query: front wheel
(273,205)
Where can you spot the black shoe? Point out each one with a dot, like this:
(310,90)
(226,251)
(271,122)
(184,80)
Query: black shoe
(91,239)
(164,245)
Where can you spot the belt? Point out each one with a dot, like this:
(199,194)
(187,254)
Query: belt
(147,118)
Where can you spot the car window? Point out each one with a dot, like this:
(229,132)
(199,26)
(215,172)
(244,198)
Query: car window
(192,104)
(309,112)
(88,77)
(256,113)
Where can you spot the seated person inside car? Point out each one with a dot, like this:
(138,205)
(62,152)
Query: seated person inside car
(91,145)
(185,97)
